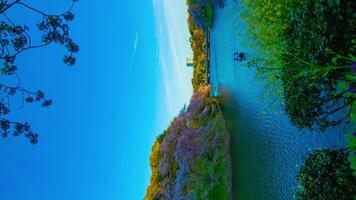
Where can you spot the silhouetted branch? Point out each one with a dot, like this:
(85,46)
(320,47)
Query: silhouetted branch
(8,6)
(16,39)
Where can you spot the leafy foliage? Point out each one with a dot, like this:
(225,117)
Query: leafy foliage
(326,174)
(306,50)
(156,177)
(16,39)
(319,41)
(190,160)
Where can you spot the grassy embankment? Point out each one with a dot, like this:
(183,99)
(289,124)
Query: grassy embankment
(306,49)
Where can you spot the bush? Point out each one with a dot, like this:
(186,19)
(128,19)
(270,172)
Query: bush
(326,174)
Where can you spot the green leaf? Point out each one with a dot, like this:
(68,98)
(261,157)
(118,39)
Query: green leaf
(350,77)
(334,60)
(353,58)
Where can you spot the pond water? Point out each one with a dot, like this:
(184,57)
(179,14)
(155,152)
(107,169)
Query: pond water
(265,148)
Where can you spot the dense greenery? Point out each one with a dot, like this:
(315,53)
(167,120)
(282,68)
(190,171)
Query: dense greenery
(326,174)
(15,39)
(190,160)
(306,49)
(317,63)
(199,54)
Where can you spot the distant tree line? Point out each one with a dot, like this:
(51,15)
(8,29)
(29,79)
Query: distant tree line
(197,42)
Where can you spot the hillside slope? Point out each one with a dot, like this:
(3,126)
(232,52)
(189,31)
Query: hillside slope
(191,160)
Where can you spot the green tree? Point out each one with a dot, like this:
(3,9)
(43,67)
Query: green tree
(326,174)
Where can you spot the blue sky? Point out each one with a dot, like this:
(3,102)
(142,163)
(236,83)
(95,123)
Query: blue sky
(128,84)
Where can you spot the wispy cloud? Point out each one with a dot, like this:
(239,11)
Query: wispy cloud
(134,51)
(136,41)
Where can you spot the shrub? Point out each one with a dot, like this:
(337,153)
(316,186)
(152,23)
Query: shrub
(326,174)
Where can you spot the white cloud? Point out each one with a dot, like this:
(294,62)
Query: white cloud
(134,51)
(135,43)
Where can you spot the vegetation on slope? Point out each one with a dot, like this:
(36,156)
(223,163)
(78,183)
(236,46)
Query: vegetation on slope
(190,160)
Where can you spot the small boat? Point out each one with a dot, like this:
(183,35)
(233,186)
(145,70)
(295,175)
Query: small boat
(239,56)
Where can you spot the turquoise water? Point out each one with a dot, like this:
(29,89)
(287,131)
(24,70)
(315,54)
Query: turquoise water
(265,148)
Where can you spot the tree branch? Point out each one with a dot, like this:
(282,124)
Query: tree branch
(340,108)
(43,13)
(24,49)
(9,6)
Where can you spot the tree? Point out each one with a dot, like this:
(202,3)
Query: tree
(18,38)
(317,81)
